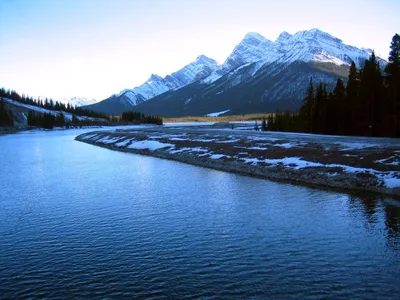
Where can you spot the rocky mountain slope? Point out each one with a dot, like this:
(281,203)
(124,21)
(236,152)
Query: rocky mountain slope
(258,76)
(157,85)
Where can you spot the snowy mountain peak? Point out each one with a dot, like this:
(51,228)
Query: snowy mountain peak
(157,85)
(306,45)
(153,78)
(317,34)
(202,59)
(254,36)
(196,70)
(253,47)
(284,36)
(77,101)
(250,55)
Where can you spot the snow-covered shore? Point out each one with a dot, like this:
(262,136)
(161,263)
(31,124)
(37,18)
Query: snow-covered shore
(339,162)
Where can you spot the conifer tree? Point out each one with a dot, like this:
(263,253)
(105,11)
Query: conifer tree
(338,110)
(353,101)
(393,82)
(5,118)
(318,110)
(256,126)
(371,96)
(264,124)
(306,111)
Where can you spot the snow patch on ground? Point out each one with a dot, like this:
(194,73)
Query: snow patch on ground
(390,180)
(285,145)
(109,140)
(216,114)
(259,138)
(178,139)
(90,136)
(251,160)
(229,141)
(124,143)
(385,161)
(179,124)
(188,149)
(256,148)
(150,145)
(203,140)
(355,146)
(293,162)
(217,156)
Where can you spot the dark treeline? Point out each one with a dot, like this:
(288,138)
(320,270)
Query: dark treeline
(5,116)
(369,105)
(137,117)
(50,104)
(50,120)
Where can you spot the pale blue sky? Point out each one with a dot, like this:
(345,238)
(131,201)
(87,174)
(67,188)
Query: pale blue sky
(95,48)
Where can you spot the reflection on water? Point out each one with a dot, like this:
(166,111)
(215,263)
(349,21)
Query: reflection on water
(84,221)
(374,209)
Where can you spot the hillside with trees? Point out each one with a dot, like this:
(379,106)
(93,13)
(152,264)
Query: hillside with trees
(49,104)
(368,105)
(49,114)
(5,116)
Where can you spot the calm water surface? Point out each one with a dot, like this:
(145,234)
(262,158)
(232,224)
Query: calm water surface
(82,221)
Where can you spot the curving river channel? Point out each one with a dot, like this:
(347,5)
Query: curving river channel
(80,221)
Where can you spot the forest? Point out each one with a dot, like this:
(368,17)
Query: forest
(49,120)
(367,105)
(49,104)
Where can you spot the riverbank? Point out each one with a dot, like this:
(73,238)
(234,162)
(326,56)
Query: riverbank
(350,163)
(8,130)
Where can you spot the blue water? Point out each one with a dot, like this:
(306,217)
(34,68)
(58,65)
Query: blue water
(80,221)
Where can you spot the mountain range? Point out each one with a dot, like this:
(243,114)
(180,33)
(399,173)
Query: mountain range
(74,101)
(258,76)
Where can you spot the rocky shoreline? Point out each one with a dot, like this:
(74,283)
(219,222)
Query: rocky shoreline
(282,160)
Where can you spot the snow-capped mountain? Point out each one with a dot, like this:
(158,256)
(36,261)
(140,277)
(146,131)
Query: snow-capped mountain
(316,45)
(252,48)
(78,101)
(252,70)
(74,101)
(156,85)
(306,46)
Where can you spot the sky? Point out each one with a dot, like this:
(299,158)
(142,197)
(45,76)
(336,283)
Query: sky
(96,48)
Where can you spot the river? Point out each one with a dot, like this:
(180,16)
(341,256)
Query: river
(80,221)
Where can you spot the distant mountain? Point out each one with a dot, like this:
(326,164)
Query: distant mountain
(308,45)
(78,101)
(258,76)
(74,101)
(241,91)
(157,85)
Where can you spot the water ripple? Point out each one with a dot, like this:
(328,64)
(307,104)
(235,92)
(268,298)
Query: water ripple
(113,225)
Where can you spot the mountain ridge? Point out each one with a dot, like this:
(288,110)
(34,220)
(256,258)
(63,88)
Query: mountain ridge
(247,62)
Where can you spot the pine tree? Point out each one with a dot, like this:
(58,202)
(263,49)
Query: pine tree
(264,124)
(256,127)
(393,81)
(338,110)
(75,120)
(353,102)
(318,110)
(306,111)
(270,123)
(371,96)
(5,118)
(60,120)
